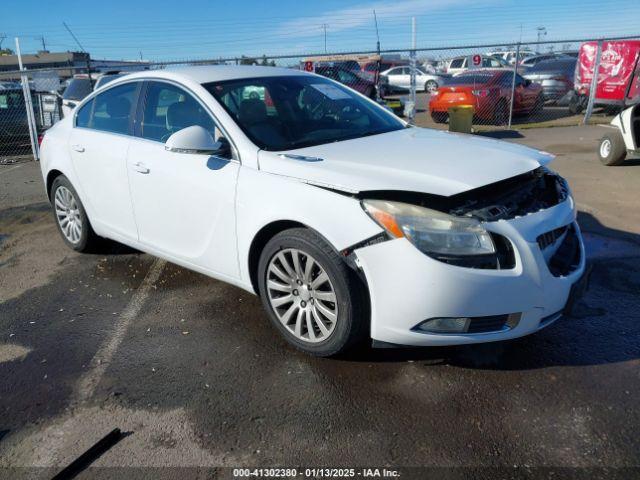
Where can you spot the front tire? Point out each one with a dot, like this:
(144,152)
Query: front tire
(71,217)
(431,86)
(612,150)
(501,113)
(311,296)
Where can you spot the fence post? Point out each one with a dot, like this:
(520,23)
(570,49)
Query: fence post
(594,85)
(513,83)
(31,117)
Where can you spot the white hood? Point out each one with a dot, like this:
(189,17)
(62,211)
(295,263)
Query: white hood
(412,159)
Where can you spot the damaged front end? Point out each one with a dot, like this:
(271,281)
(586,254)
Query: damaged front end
(525,194)
(514,197)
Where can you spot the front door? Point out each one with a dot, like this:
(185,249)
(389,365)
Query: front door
(184,203)
(99,142)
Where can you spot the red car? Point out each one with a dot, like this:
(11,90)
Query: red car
(489,92)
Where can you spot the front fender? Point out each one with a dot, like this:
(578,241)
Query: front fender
(264,198)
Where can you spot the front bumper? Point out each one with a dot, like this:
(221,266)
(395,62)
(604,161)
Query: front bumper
(407,287)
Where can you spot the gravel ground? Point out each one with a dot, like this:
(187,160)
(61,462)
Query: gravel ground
(191,369)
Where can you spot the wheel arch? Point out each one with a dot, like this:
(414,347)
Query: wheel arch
(51,176)
(260,240)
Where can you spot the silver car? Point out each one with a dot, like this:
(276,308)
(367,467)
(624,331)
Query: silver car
(399,78)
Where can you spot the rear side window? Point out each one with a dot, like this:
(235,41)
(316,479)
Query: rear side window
(109,111)
(84,115)
(169,108)
(457,63)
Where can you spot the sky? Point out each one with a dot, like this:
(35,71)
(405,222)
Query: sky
(198,29)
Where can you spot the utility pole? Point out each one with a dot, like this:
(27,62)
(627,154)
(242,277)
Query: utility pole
(542,31)
(324,27)
(44,45)
(379,61)
(2,37)
(412,115)
(375,19)
(83,50)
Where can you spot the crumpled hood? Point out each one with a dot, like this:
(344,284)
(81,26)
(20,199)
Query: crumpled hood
(411,159)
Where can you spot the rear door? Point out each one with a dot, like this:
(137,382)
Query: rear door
(184,202)
(99,142)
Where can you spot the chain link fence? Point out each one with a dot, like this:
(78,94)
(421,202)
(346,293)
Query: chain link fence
(508,86)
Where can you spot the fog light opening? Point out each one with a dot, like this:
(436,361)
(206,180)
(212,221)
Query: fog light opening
(453,325)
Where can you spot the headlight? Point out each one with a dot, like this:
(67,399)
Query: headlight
(432,232)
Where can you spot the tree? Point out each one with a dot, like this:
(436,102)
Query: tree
(6,51)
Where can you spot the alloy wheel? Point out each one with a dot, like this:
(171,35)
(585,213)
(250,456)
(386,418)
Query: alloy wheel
(302,295)
(68,214)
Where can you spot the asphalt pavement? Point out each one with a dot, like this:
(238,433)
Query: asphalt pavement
(192,371)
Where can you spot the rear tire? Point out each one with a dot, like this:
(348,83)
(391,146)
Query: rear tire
(575,104)
(439,117)
(431,86)
(612,151)
(71,217)
(297,305)
(538,105)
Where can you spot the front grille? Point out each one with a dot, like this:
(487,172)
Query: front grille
(567,258)
(549,238)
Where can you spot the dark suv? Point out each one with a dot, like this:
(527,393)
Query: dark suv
(14,126)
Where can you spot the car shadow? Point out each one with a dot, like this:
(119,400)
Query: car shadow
(500,134)
(604,327)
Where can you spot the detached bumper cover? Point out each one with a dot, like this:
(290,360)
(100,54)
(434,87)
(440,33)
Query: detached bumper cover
(408,287)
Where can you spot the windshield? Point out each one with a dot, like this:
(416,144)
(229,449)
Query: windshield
(77,89)
(287,112)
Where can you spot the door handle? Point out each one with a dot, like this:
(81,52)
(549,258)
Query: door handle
(78,148)
(141,167)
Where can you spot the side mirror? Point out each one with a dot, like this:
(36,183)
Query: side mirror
(197,140)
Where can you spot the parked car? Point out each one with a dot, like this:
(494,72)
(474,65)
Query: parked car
(617,63)
(348,222)
(529,62)
(372,70)
(350,79)
(14,125)
(509,56)
(79,87)
(399,78)
(555,76)
(489,92)
(461,64)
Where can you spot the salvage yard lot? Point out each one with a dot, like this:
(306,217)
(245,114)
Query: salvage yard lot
(192,369)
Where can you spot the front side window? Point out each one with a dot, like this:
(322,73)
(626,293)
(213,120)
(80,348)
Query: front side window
(456,63)
(169,108)
(110,111)
(300,111)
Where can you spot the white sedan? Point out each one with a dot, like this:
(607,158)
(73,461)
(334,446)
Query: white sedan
(348,223)
(400,78)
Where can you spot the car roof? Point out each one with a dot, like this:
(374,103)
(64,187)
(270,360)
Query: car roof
(215,73)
